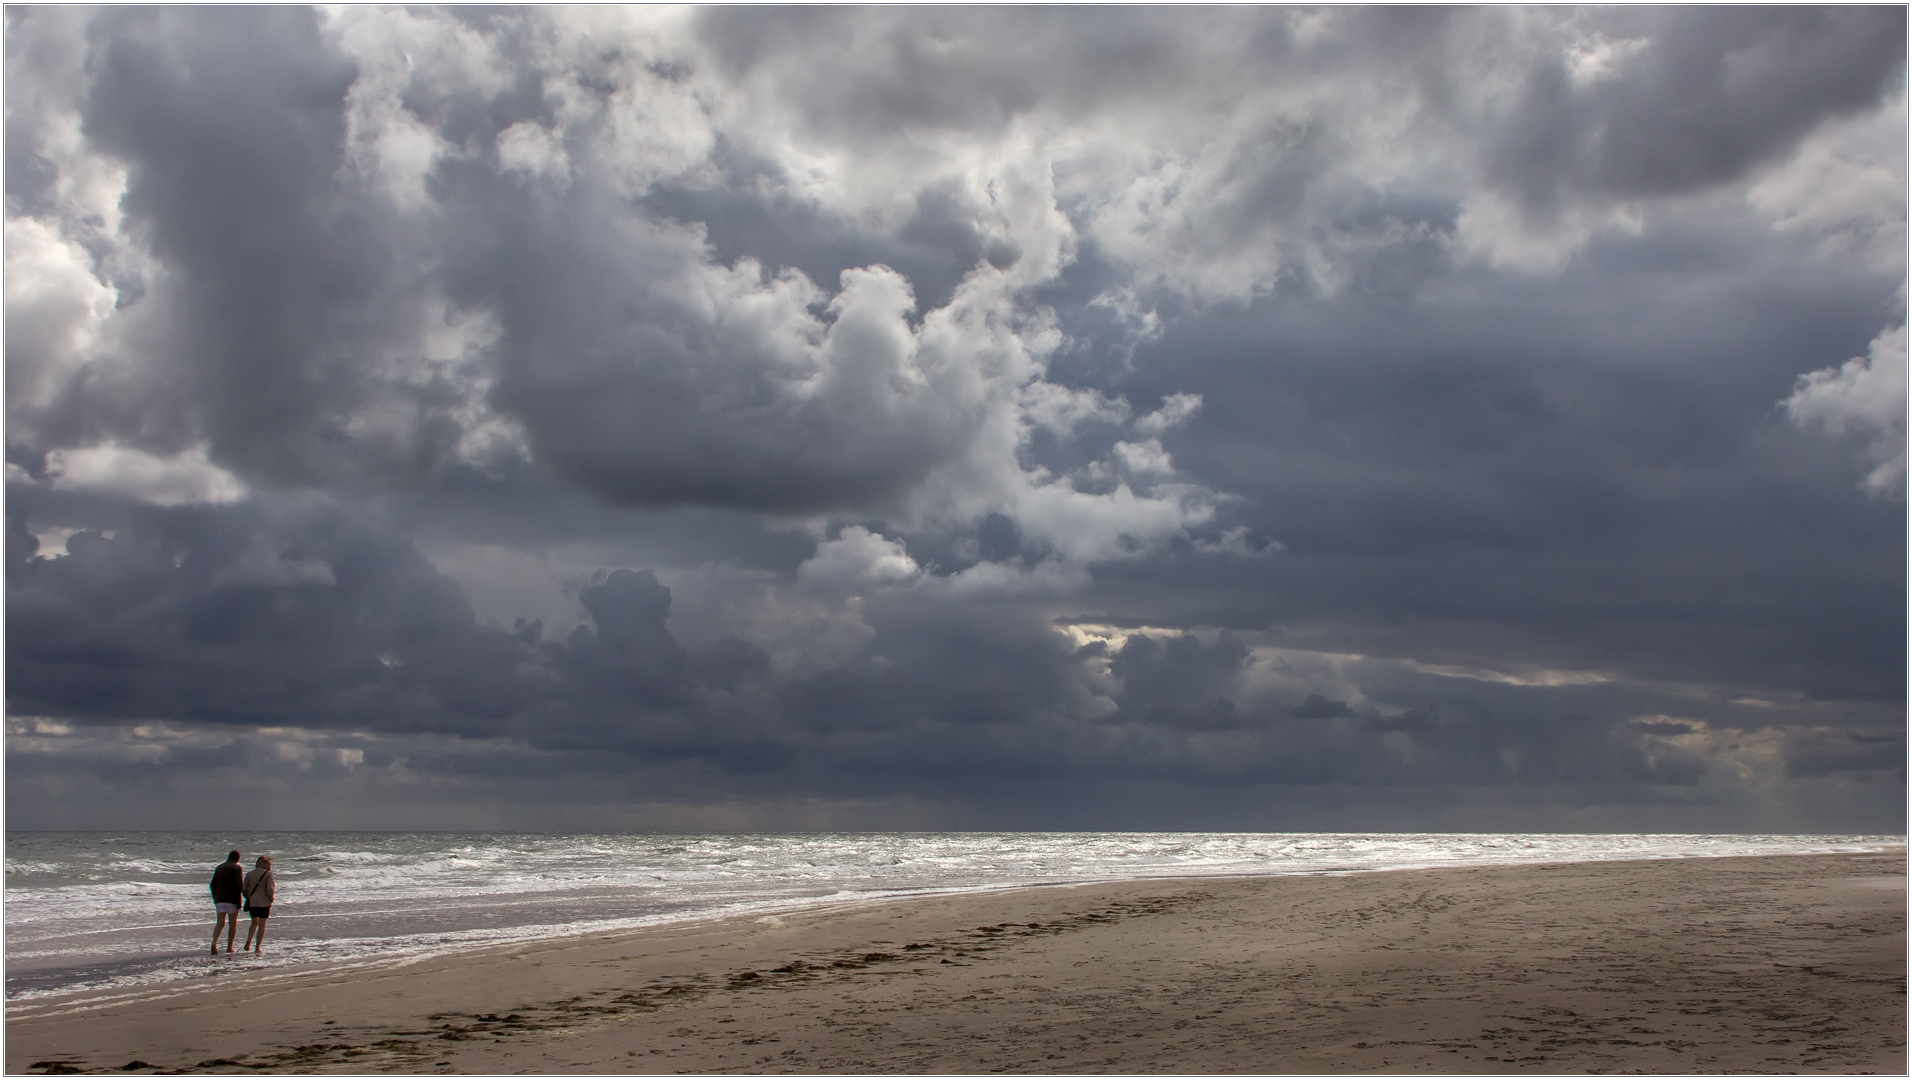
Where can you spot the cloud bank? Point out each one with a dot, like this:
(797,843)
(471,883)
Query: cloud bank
(1259,418)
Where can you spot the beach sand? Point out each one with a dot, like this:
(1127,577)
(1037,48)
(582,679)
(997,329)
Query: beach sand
(1742,965)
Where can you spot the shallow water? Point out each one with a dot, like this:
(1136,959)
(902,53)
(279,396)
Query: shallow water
(101,910)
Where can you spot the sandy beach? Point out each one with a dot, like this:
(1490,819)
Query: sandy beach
(1781,964)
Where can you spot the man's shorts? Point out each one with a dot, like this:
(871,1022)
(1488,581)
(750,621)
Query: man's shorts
(261,912)
(226,909)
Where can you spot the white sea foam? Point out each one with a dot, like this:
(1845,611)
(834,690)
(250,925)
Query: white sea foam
(91,911)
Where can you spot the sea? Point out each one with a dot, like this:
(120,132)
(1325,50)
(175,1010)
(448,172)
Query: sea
(103,911)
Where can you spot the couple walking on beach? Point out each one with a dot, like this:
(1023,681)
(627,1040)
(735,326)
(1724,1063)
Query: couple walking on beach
(232,889)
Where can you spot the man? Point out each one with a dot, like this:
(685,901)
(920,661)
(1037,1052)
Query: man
(227,884)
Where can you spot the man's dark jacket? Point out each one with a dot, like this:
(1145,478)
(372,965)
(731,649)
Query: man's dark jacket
(225,882)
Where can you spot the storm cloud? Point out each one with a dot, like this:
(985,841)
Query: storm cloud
(873,418)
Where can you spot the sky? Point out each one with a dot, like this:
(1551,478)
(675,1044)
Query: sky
(724,418)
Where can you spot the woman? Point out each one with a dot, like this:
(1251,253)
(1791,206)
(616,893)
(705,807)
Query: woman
(257,889)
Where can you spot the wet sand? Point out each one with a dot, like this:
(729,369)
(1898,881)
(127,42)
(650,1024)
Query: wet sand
(1786,964)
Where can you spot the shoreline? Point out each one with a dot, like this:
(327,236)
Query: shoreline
(480,938)
(1599,966)
(390,893)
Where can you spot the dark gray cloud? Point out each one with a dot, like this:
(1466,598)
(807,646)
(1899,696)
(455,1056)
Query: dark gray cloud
(1535,481)
(262,614)
(1697,99)
(1247,418)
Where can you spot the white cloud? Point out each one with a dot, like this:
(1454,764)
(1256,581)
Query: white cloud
(187,477)
(1062,410)
(1004,579)
(1121,524)
(56,309)
(1494,229)
(400,54)
(1865,397)
(1176,410)
(430,387)
(1597,58)
(1846,186)
(1145,459)
(859,559)
(531,148)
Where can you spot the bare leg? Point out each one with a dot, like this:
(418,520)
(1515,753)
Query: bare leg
(218,926)
(260,926)
(253,927)
(232,930)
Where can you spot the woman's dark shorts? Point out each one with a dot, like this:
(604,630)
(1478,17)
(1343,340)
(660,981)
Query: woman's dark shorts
(261,912)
